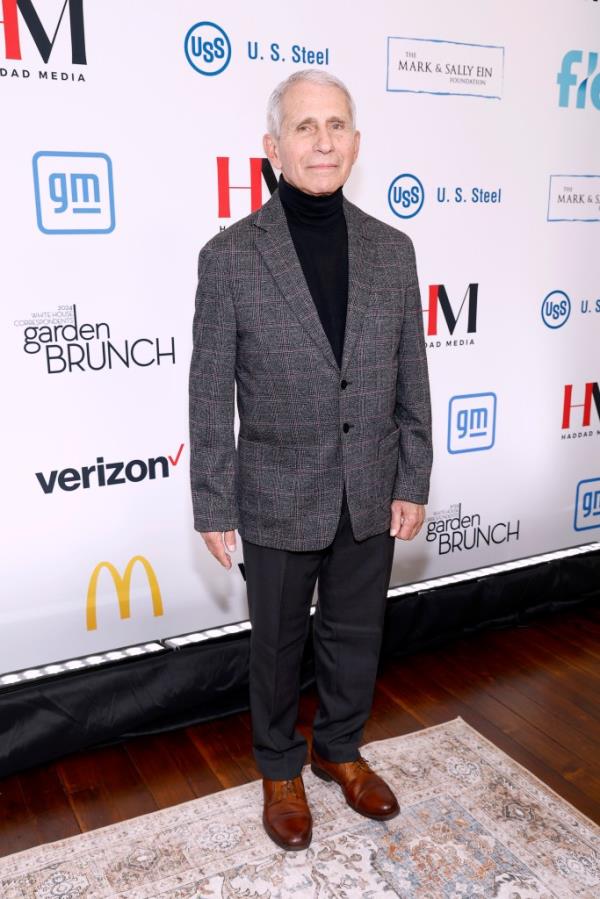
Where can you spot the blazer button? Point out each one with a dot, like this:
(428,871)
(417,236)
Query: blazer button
(346,427)
(344,384)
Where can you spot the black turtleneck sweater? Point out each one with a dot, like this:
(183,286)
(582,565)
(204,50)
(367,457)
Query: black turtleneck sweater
(320,236)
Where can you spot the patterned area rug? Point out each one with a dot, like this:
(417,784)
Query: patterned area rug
(472,823)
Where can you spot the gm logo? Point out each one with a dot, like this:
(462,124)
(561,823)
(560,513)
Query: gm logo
(207,48)
(122,585)
(74,193)
(471,422)
(406,196)
(566,79)
(556,309)
(587,505)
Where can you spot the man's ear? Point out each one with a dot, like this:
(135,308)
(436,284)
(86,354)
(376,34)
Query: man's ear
(356,144)
(270,148)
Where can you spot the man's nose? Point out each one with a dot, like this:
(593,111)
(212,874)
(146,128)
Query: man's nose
(323,141)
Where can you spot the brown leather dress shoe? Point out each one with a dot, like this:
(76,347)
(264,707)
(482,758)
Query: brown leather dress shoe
(286,815)
(364,790)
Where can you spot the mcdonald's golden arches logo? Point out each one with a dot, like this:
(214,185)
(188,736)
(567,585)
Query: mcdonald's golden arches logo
(123,589)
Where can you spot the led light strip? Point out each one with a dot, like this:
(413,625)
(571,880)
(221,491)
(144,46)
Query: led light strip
(476,573)
(175,643)
(212,634)
(92,661)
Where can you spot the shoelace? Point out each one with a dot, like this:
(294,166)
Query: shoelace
(289,787)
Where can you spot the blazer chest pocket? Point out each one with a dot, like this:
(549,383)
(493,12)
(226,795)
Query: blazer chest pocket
(387,302)
(384,317)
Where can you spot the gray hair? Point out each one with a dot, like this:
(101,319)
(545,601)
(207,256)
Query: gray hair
(316,76)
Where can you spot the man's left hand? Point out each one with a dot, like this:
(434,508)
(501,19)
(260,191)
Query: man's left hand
(407,519)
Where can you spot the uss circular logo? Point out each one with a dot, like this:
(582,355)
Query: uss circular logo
(556,309)
(406,196)
(207,48)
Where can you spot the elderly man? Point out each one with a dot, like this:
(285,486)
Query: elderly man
(312,307)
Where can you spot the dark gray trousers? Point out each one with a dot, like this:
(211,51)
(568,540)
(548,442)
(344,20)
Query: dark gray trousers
(353,579)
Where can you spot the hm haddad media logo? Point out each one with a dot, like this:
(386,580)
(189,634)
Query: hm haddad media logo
(259,170)
(66,345)
(581,411)
(429,66)
(446,334)
(453,531)
(30,32)
(208,50)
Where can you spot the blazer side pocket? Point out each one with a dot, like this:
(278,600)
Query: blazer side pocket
(266,479)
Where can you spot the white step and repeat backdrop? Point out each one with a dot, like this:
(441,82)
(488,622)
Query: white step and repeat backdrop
(131,133)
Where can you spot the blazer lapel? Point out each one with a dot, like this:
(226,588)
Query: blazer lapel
(362,253)
(276,246)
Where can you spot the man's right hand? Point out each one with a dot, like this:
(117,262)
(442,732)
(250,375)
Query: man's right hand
(216,542)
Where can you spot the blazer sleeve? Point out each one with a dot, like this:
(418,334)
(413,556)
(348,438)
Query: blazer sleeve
(413,401)
(212,398)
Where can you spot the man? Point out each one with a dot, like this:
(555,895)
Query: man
(312,307)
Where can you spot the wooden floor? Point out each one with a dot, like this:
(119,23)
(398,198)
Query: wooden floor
(534,692)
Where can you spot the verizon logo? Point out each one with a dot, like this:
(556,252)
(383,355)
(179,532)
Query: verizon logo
(108,474)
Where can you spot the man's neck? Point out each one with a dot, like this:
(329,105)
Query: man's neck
(310,209)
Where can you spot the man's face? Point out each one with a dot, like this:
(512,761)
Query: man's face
(317,146)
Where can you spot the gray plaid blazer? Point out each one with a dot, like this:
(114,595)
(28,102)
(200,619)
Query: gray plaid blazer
(306,426)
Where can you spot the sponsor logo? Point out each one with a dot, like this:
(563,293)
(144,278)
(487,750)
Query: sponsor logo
(556,309)
(108,474)
(122,585)
(453,531)
(296,53)
(574,198)
(406,196)
(208,50)
(422,65)
(73,193)
(439,302)
(459,194)
(586,79)
(591,401)
(587,505)
(260,169)
(21,17)
(472,422)
(68,346)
